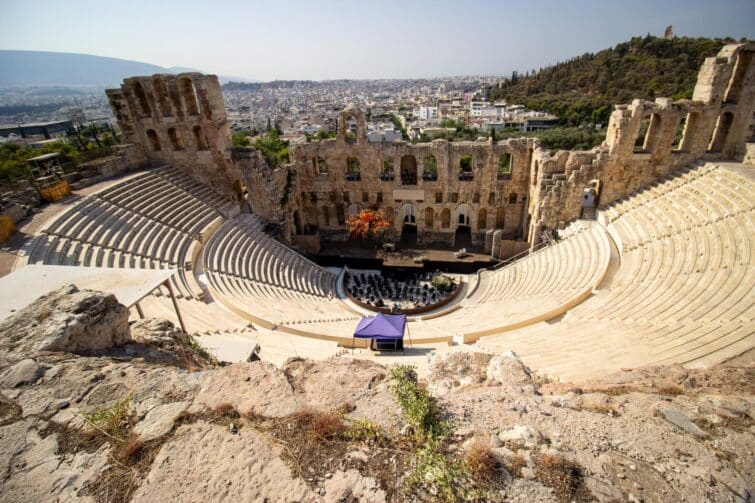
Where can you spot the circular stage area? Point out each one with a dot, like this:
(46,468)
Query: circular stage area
(404,292)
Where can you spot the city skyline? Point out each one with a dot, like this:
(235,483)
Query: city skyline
(296,40)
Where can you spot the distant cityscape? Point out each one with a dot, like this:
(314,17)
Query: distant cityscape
(414,110)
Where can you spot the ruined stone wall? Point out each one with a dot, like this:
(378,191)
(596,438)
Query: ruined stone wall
(647,140)
(179,120)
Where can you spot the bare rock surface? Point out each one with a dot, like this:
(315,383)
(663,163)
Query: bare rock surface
(205,462)
(66,320)
(248,387)
(194,431)
(159,421)
(26,371)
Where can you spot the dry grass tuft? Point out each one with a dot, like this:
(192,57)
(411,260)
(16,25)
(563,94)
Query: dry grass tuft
(482,463)
(564,476)
(130,452)
(319,426)
(514,464)
(670,389)
(225,409)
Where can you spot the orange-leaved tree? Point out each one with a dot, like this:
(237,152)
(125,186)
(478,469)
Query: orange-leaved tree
(367,223)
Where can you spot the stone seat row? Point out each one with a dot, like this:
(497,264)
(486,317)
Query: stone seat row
(273,304)
(683,292)
(240,248)
(659,188)
(157,198)
(548,281)
(56,250)
(204,193)
(571,264)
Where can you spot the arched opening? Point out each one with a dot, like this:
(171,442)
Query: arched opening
(350,128)
(721,133)
(325,216)
(310,220)
(445,218)
(322,166)
(175,143)
(504,167)
(352,169)
(199,138)
(499,218)
(408,170)
(408,216)
(737,82)
(482,219)
(189,95)
(154,140)
(161,91)
(141,97)
(297,223)
(642,136)
(430,168)
(386,174)
(429,218)
(466,163)
(463,237)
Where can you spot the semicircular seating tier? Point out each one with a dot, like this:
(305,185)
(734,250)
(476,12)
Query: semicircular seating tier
(267,282)
(539,286)
(152,220)
(682,289)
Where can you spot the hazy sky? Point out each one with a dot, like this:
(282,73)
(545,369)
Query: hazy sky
(320,39)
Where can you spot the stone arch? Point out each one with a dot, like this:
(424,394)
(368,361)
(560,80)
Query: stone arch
(351,114)
(161,92)
(445,218)
(721,132)
(199,138)
(386,170)
(322,166)
(189,95)
(430,168)
(466,166)
(408,214)
(141,98)
(154,140)
(504,166)
(325,216)
(310,220)
(482,219)
(429,217)
(297,223)
(462,215)
(408,170)
(175,142)
(352,169)
(739,77)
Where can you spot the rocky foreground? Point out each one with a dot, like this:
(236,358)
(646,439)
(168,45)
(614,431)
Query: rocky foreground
(94,409)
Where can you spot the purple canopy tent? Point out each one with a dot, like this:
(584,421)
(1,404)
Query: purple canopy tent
(382,328)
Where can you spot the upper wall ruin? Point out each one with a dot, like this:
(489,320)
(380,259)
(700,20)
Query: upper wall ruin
(439,188)
(179,120)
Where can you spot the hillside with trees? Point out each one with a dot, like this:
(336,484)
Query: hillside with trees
(585,88)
